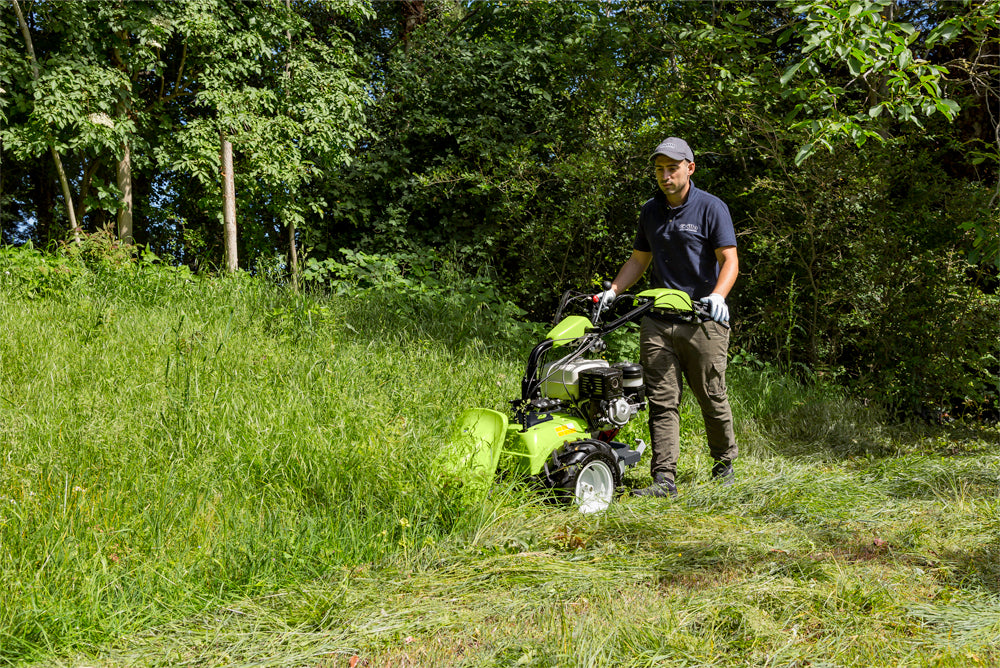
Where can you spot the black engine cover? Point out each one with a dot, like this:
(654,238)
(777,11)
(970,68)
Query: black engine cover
(602,383)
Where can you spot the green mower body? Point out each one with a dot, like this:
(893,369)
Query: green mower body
(484,441)
(561,431)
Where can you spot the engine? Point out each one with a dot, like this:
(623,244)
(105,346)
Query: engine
(609,394)
(615,393)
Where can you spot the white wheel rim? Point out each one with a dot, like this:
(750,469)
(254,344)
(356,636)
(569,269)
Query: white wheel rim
(595,486)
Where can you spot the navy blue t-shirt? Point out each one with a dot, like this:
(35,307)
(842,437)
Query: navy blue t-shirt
(683,240)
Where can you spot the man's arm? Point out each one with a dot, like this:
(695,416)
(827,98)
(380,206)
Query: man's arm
(632,270)
(729,269)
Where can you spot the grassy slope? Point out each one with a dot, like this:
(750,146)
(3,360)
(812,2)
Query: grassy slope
(212,473)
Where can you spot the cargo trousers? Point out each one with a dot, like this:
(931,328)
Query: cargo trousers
(672,352)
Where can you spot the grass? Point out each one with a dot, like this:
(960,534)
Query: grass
(213,472)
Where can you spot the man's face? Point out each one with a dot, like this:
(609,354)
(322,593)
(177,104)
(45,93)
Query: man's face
(673,177)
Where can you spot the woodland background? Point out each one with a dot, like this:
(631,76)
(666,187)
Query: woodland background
(393,143)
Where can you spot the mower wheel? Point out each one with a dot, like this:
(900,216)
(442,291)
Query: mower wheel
(589,475)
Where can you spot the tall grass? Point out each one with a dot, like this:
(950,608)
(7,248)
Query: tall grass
(218,472)
(169,443)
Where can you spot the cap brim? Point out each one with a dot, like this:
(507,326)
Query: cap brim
(667,155)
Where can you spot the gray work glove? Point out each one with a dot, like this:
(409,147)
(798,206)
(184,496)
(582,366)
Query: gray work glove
(604,299)
(716,304)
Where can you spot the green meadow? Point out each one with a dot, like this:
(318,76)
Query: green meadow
(220,472)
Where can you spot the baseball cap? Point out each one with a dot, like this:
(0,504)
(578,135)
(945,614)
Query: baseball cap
(674,148)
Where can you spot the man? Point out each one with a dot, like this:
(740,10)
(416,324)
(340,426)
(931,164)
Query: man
(687,235)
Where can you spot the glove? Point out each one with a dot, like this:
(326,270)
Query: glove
(604,299)
(716,304)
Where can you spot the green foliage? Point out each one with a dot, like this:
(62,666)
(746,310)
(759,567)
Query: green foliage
(896,347)
(31,273)
(289,117)
(431,289)
(174,446)
(883,73)
(863,280)
(520,133)
(485,133)
(76,267)
(166,80)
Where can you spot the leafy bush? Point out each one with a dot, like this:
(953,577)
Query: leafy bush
(931,343)
(31,273)
(856,269)
(427,291)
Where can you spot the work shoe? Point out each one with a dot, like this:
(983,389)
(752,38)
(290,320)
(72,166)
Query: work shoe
(723,472)
(662,487)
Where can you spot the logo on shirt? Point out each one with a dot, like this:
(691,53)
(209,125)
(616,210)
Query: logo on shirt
(687,227)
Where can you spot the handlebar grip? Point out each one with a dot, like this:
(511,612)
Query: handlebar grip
(705,314)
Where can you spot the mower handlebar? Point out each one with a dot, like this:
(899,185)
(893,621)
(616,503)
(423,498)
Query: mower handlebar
(700,311)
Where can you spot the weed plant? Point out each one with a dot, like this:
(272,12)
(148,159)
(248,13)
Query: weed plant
(202,471)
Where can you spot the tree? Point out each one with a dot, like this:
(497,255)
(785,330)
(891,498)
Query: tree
(287,118)
(478,121)
(841,245)
(67,194)
(144,89)
(854,142)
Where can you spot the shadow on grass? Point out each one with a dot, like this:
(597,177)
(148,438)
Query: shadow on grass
(459,321)
(976,569)
(823,421)
(710,564)
(713,547)
(838,440)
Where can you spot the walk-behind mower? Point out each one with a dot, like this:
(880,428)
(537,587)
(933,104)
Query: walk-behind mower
(562,429)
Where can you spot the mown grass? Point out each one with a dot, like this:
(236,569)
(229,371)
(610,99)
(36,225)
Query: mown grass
(215,472)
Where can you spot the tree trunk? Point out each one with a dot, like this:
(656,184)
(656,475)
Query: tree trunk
(413,14)
(44,197)
(63,181)
(293,253)
(88,177)
(67,194)
(293,257)
(229,204)
(125,186)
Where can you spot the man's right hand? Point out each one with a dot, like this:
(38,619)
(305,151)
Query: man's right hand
(604,299)
(718,309)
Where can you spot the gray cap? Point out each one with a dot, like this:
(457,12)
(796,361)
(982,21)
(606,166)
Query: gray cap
(674,148)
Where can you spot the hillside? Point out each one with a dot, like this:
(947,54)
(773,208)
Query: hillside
(204,471)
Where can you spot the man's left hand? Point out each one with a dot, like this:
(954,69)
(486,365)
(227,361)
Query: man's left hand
(716,304)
